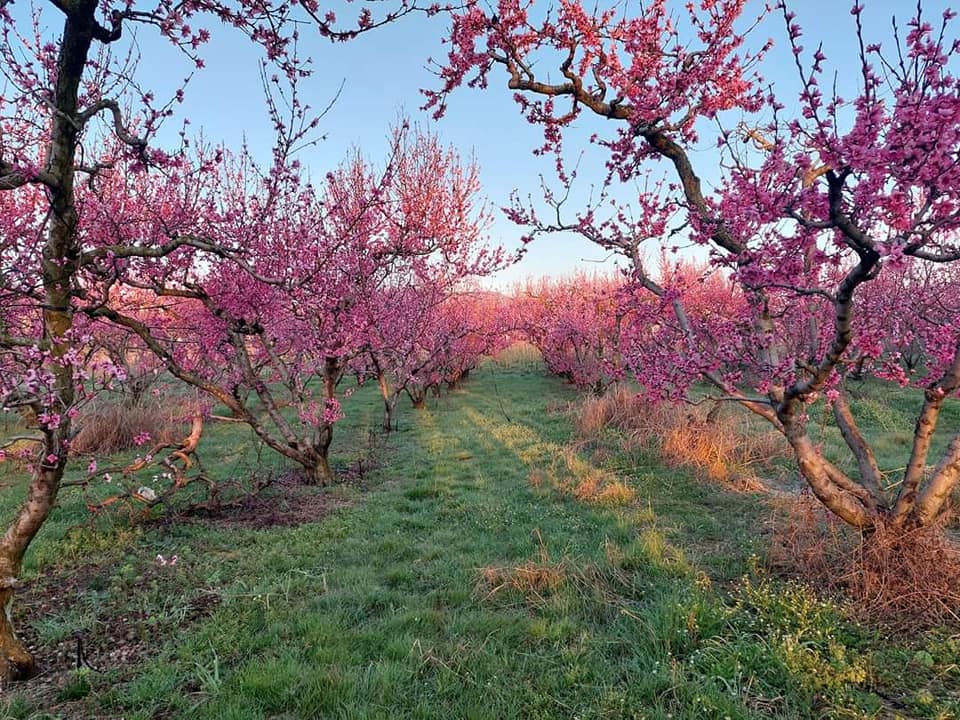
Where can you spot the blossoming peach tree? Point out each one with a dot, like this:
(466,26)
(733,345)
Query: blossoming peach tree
(403,308)
(811,217)
(89,202)
(279,327)
(576,324)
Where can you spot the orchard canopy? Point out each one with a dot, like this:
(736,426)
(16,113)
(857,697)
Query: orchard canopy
(824,245)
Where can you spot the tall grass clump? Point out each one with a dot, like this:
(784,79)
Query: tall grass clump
(903,579)
(108,427)
(720,442)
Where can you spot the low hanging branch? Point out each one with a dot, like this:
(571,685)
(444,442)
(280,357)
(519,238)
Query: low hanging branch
(173,466)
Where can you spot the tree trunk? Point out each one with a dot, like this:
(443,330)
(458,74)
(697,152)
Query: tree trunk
(319,457)
(322,474)
(858,372)
(315,456)
(16,663)
(136,388)
(388,402)
(946,477)
(59,267)
(417,395)
(827,483)
(870,476)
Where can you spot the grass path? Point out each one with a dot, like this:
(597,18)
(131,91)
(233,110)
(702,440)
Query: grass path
(489,575)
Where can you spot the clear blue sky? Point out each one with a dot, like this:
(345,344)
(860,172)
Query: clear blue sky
(384,70)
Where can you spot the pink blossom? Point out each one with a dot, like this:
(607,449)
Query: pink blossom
(332,412)
(51,421)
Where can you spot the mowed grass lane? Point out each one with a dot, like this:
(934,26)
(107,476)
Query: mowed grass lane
(495,570)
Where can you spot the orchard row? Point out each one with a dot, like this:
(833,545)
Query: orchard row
(829,228)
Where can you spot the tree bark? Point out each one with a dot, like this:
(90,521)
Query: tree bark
(945,478)
(389,402)
(16,663)
(866,461)
(59,266)
(817,472)
(322,473)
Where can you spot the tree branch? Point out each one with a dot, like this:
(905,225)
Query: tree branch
(933,399)
(866,461)
(11,177)
(119,128)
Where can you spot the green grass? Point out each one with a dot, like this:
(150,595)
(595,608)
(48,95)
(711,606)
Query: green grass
(886,414)
(456,587)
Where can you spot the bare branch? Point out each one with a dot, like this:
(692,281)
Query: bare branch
(17,341)
(808,223)
(13,440)
(119,127)
(937,257)
(11,177)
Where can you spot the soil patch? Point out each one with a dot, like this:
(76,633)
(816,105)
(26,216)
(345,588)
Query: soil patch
(107,618)
(287,501)
(86,617)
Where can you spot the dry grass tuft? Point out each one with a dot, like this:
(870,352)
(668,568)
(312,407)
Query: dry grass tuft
(617,408)
(720,451)
(110,428)
(905,580)
(536,478)
(535,579)
(603,491)
(615,493)
(570,474)
(724,445)
(531,578)
(587,487)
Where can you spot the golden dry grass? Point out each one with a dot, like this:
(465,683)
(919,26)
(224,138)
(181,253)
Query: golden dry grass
(725,446)
(534,579)
(615,493)
(559,467)
(907,580)
(110,428)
